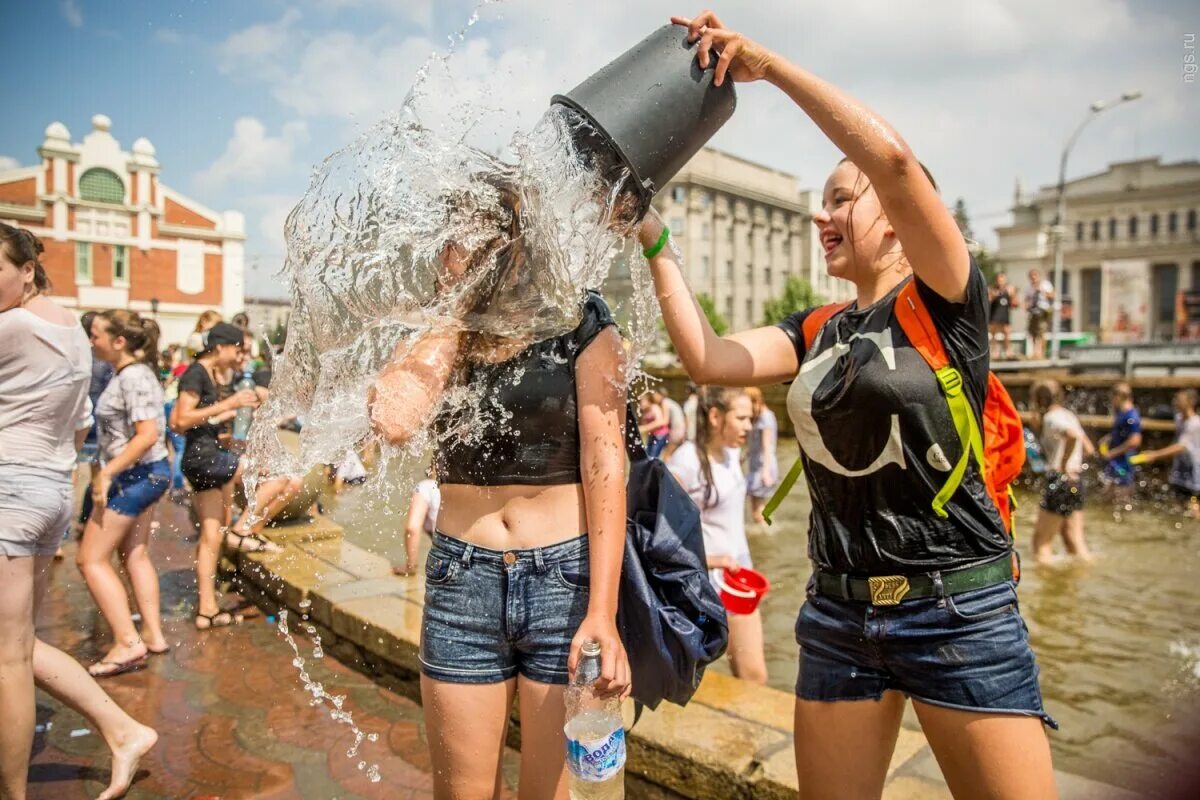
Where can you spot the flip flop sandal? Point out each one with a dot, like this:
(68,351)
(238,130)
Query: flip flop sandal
(221,619)
(261,545)
(118,667)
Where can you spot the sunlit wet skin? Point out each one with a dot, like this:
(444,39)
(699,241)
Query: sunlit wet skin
(512,517)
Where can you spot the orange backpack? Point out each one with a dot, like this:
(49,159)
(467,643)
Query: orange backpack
(999,449)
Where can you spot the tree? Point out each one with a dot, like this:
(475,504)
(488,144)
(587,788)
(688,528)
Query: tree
(983,259)
(797,295)
(716,319)
(720,325)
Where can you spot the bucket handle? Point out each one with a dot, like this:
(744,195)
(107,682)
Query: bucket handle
(744,594)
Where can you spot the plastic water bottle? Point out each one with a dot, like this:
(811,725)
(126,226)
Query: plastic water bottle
(245,414)
(1033,453)
(595,734)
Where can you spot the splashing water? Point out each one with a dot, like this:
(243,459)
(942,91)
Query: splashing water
(321,698)
(368,247)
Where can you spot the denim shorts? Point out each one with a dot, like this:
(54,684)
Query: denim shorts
(139,487)
(490,614)
(968,651)
(35,508)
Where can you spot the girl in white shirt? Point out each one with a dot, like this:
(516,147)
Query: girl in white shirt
(710,471)
(45,368)
(134,474)
(1065,446)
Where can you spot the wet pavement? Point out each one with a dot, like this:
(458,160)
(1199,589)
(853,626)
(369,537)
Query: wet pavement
(233,716)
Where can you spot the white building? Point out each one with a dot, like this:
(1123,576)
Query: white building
(115,237)
(1131,246)
(744,228)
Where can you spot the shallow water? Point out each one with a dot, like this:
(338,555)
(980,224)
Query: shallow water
(1117,640)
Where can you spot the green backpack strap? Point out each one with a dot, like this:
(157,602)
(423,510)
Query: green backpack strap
(785,486)
(968,434)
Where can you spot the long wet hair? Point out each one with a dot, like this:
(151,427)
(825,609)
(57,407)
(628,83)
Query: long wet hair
(721,398)
(21,247)
(140,334)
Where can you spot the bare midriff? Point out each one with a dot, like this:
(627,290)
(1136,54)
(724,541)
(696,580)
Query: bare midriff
(512,517)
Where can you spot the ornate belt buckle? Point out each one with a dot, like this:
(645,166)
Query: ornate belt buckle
(888,590)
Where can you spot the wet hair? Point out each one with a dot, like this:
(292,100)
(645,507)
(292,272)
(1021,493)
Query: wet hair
(140,334)
(206,320)
(721,398)
(856,194)
(1044,394)
(21,247)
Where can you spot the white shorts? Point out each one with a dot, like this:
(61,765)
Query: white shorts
(35,510)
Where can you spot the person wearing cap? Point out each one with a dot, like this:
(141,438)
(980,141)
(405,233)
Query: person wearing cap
(211,469)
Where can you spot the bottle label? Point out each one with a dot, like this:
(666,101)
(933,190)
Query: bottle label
(597,760)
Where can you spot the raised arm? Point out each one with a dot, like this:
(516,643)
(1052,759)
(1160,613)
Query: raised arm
(924,226)
(749,358)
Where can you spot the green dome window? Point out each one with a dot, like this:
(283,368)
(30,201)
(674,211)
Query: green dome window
(101,186)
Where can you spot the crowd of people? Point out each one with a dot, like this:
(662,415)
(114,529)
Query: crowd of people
(912,596)
(95,399)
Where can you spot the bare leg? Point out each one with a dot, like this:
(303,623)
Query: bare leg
(746,647)
(16,674)
(843,749)
(1044,531)
(62,677)
(143,577)
(210,507)
(270,498)
(465,725)
(1073,540)
(757,504)
(543,745)
(105,530)
(992,756)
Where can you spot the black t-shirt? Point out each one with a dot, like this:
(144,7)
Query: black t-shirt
(1000,305)
(525,428)
(878,440)
(195,379)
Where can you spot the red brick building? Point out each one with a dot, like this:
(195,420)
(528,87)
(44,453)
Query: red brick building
(116,237)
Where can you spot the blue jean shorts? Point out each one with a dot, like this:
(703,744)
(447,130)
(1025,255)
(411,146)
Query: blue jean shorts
(968,651)
(139,487)
(490,614)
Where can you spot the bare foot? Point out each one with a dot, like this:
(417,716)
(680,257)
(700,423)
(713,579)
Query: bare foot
(156,645)
(125,758)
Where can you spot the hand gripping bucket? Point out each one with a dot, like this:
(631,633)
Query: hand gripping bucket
(742,591)
(654,107)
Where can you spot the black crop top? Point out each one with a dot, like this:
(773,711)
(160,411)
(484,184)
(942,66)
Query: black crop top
(522,426)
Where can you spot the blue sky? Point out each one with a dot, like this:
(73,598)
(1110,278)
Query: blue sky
(242,99)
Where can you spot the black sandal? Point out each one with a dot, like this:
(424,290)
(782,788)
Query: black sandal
(221,619)
(261,545)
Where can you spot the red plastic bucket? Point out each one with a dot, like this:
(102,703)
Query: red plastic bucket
(741,591)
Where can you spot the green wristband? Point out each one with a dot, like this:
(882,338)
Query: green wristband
(657,247)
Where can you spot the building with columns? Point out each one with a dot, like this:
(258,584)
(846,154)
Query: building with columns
(1131,246)
(744,228)
(116,237)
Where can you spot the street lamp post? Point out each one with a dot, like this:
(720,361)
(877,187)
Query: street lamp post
(1060,212)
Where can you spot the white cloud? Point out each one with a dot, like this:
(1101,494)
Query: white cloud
(8,162)
(985,92)
(73,13)
(168,36)
(418,12)
(251,154)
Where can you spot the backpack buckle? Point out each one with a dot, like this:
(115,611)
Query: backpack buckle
(950,380)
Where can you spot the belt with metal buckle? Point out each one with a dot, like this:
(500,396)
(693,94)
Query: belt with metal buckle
(889,590)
